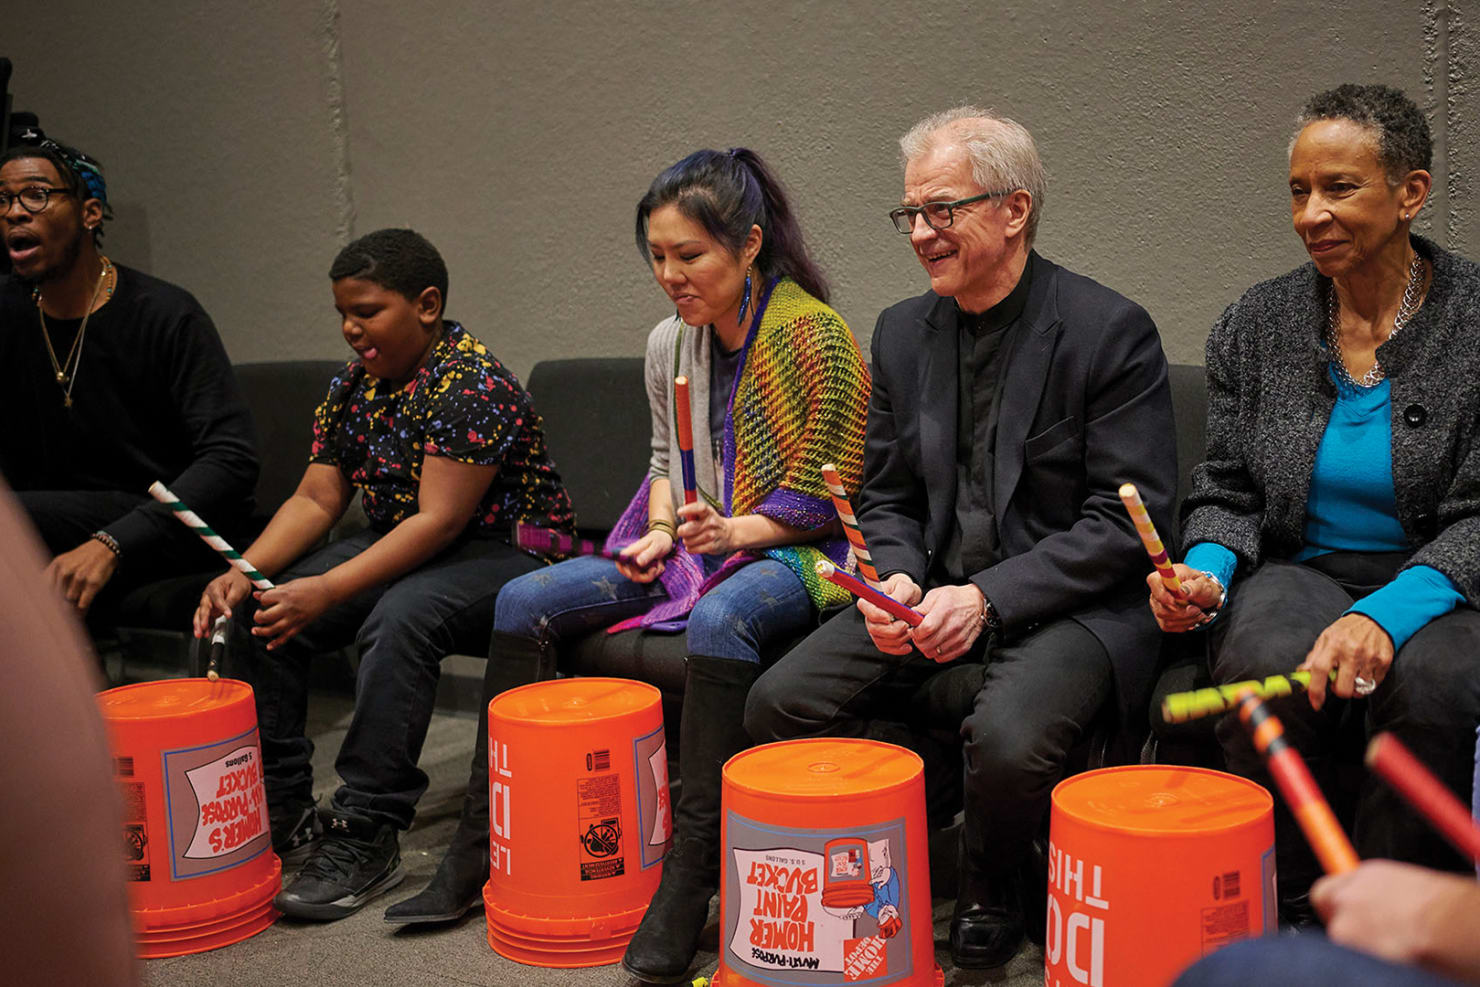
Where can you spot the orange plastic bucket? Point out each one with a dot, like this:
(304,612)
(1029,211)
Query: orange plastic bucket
(803,821)
(578,818)
(1151,867)
(187,760)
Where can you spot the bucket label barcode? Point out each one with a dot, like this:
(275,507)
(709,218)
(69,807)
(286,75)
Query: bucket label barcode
(216,806)
(599,761)
(599,821)
(650,756)
(831,902)
(123,767)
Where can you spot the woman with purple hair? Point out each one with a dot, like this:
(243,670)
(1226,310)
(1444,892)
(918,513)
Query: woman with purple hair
(778,388)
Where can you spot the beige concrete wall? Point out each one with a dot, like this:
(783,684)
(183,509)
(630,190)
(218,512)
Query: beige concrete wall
(245,142)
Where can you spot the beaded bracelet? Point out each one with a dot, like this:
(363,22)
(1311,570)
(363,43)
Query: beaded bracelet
(662,524)
(108,541)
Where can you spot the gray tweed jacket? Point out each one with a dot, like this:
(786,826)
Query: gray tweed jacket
(1269,400)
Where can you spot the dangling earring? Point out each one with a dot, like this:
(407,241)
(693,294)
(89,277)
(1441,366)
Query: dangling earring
(744,300)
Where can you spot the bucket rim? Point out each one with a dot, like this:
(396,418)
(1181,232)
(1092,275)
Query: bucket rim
(862,791)
(230,693)
(211,910)
(653,695)
(1161,832)
(558,927)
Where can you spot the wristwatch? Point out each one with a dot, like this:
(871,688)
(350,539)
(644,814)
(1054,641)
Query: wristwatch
(988,618)
(1211,615)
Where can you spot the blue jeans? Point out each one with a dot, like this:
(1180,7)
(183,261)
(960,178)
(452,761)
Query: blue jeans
(1308,959)
(760,603)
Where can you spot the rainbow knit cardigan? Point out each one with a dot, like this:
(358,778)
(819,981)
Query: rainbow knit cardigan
(799,400)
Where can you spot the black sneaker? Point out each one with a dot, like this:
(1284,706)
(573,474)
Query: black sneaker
(357,860)
(296,831)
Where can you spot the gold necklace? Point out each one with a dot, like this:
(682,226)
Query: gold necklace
(67,372)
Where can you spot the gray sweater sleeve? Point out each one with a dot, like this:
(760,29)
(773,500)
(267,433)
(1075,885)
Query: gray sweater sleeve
(1225,505)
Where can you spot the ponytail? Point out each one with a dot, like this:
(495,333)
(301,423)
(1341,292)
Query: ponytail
(727,194)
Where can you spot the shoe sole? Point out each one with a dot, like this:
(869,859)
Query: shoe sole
(650,978)
(328,911)
(984,961)
(423,918)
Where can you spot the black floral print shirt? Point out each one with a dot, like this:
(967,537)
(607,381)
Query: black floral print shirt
(462,404)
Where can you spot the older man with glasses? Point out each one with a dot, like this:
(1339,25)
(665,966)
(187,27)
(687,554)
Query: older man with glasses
(114,379)
(1009,403)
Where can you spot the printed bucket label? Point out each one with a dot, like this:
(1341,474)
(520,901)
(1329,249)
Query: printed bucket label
(135,820)
(599,823)
(1079,903)
(1081,924)
(500,808)
(216,805)
(650,756)
(778,929)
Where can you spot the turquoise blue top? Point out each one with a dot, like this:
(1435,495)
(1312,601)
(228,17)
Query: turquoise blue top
(1352,508)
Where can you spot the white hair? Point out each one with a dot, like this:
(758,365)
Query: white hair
(1001,151)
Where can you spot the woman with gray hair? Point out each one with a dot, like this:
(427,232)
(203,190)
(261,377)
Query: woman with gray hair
(1342,480)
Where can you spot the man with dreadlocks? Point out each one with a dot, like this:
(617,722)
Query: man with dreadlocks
(114,379)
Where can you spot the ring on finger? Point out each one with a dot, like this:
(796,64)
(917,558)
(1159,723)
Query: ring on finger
(1363,686)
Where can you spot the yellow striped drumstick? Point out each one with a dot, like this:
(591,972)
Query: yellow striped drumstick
(850,523)
(1131,498)
(1179,707)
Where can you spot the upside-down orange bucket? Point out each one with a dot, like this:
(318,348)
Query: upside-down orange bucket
(1151,867)
(187,760)
(826,875)
(578,818)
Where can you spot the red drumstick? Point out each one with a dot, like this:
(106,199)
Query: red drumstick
(685,417)
(1398,767)
(1307,804)
(858,587)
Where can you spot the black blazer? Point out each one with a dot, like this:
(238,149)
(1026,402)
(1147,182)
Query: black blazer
(1084,407)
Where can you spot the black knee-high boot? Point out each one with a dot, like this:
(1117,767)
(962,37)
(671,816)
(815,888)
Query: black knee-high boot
(457,886)
(711,731)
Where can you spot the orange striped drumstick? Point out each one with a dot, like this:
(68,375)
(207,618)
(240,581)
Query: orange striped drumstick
(1307,804)
(850,523)
(1407,774)
(1131,498)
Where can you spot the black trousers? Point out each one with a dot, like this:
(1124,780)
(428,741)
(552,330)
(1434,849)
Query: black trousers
(1430,700)
(403,629)
(1026,704)
(67,518)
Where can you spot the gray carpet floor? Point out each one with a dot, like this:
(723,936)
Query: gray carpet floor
(363,949)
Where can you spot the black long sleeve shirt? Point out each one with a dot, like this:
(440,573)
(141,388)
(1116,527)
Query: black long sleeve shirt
(154,398)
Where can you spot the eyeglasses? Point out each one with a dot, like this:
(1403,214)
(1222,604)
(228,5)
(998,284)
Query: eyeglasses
(32,199)
(938,215)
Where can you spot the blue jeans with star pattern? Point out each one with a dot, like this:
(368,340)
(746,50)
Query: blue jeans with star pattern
(762,602)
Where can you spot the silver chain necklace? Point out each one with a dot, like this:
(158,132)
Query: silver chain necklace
(1412,298)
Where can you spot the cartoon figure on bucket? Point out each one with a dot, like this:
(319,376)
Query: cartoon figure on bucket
(883,908)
